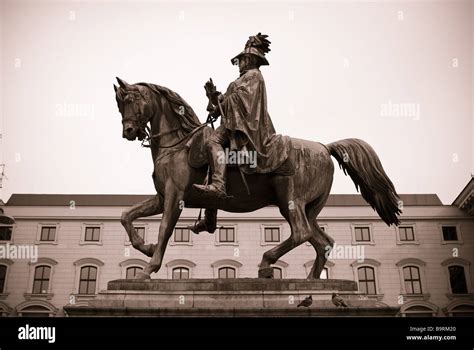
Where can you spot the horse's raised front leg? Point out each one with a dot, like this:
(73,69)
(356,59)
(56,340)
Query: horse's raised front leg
(148,207)
(172,210)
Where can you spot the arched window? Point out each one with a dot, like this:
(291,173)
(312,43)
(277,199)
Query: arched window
(36,308)
(41,279)
(3,277)
(180,273)
(88,280)
(35,311)
(131,267)
(367,282)
(180,269)
(226,272)
(457,279)
(132,272)
(325,271)
(227,268)
(5,310)
(412,279)
(277,273)
(418,311)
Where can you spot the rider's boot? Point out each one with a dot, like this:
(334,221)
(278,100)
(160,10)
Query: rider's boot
(218,168)
(207,224)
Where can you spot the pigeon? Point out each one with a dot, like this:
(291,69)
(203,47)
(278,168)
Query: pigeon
(337,300)
(306,302)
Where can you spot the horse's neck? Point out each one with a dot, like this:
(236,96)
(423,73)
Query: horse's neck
(165,124)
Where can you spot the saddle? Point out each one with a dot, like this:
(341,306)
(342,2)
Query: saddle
(197,155)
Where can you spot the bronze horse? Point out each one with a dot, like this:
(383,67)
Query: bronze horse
(300,197)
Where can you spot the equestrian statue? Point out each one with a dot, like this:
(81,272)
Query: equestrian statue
(241,166)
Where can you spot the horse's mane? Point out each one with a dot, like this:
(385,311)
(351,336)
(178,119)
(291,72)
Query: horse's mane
(187,117)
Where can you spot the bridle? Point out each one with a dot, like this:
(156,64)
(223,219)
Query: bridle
(147,141)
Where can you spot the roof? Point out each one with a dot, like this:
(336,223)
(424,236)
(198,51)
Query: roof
(465,193)
(123,200)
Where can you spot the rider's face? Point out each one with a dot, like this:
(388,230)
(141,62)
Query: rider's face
(244,62)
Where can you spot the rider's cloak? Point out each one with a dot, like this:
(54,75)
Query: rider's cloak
(245,110)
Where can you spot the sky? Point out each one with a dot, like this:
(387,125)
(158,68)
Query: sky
(395,74)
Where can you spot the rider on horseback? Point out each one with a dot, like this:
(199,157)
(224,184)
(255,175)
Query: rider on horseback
(245,124)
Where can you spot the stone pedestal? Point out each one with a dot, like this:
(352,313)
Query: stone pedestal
(229,298)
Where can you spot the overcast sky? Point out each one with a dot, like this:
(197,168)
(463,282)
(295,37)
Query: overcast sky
(397,75)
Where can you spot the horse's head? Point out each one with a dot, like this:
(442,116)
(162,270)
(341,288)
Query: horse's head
(134,104)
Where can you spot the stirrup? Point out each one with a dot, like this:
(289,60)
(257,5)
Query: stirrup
(211,190)
(200,227)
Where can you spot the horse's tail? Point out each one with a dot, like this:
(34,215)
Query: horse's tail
(358,159)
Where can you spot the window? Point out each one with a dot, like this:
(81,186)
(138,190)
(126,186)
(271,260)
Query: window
(48,234)
(41,280)
(226,234)
(457,279)
(362,234)
(3,276)
(140,232)
(6,233)
(418,311)
(412,279)
(180,273)
(181,234)
(92,234)
(450,233)
(35,311)
(272,234)
(367,280)
(88,279)
(36,308)
(277,273)
(406,234)
(324,272)
(465,310)
(132,272)
(226,272)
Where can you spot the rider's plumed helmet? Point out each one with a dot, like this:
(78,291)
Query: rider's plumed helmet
(257,45)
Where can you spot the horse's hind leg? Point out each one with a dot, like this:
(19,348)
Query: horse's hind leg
(295,214)
(319,239)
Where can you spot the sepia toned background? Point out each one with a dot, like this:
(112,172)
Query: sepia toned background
(396,74)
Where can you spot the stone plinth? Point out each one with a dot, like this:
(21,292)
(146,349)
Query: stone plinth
(229,298)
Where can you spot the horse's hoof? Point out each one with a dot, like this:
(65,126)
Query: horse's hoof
(142,276)
(266,272)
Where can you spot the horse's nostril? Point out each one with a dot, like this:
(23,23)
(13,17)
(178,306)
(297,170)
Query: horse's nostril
(129,130)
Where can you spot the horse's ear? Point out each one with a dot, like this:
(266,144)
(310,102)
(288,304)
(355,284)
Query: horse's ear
(122,83)
(115,88)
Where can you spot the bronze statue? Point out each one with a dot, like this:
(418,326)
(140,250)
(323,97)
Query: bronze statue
(295,175)
(246,125)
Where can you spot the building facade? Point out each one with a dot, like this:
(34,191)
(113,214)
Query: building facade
(63,249)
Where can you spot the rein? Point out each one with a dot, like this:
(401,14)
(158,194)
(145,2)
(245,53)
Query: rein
(149,138)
